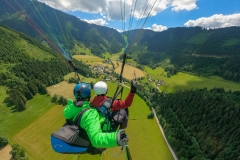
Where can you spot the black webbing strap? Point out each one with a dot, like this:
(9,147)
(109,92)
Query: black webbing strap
(79,116)
(123,64)
(120,79)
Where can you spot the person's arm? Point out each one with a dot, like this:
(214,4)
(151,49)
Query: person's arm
(90,123)
(121,104)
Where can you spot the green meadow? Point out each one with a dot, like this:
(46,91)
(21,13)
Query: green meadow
(12,122)
(88,58)
(183,81)
(155,73)
(83,78)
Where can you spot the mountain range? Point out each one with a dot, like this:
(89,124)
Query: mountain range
(197,50)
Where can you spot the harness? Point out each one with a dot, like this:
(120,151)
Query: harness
(105,108)
(83,134)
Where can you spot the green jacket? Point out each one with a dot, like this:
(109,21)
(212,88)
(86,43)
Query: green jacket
(91,122)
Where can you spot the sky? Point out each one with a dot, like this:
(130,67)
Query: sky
(157,15)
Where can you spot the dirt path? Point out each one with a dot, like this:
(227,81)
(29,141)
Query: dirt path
(5,153)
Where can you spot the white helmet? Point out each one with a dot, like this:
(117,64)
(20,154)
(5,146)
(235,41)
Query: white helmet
(100,88)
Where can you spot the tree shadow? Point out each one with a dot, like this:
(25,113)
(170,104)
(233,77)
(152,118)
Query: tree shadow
(14,109)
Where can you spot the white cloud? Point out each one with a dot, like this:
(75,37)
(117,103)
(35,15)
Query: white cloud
(216,21)
(112,8)
(91,6)
(178,5)
(99,21)
(157,28)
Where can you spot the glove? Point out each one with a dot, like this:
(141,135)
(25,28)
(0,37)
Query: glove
(133,86)
(122,138)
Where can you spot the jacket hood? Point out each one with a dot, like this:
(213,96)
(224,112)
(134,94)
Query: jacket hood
(71,110)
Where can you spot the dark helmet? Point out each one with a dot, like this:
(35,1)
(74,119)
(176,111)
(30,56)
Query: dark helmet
(82,90)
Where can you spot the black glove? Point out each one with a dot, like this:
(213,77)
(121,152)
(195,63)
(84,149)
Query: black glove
(133,86)
(122,138)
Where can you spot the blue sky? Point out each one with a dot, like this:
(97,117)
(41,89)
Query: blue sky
(165,13)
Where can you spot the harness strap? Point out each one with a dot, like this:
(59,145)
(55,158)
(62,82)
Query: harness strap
(123,64)
(79,116)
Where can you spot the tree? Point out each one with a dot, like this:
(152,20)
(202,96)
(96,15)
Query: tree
(3,141)
(72,80)
(33,88)
(150,115)
(18,152)
(54,98)
(62,100)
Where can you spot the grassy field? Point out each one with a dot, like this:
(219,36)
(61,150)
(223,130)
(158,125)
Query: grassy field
(83,79)
(129,71)
(154,73)
(92,60)
(183,81)
(13,122)
(88,58)
(107,55)
(78,48)
(36,137)
(146,141)
(115,56)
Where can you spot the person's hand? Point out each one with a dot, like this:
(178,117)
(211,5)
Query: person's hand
(134,86)
(122,137)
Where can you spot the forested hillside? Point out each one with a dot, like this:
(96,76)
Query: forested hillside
(68,29)
(196,50)
(200,123)
(27,67)
(193,40)
(226,67)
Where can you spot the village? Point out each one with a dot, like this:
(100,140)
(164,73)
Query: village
(157,82)
(107,69)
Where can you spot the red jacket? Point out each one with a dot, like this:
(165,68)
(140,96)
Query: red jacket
(117,104)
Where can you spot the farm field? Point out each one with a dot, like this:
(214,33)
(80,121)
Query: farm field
(180,81)
(83,79)
(92,60)
(35,139)
(88,58)
(183,81)
(128,71)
